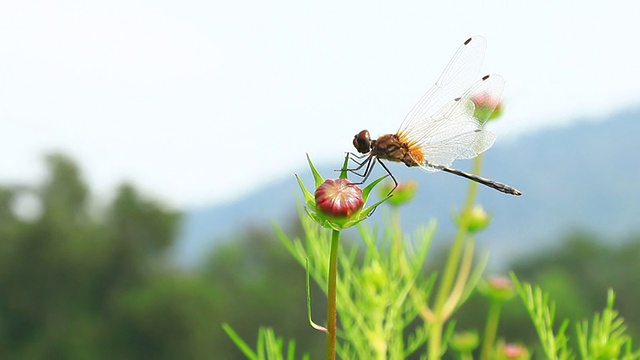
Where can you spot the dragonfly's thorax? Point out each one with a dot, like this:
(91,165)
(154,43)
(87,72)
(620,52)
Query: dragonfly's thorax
(389,147)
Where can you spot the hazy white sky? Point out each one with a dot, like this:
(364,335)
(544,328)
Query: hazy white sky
(199,101)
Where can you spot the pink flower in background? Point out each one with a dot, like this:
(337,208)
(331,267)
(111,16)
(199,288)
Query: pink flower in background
(515,352)
(487,107)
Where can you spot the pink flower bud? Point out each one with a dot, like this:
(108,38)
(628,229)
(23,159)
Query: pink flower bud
(338,198)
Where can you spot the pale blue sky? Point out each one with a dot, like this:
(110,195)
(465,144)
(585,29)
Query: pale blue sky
(200,101)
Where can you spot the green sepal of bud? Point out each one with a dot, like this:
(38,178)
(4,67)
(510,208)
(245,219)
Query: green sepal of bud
(498,288)
(477,219)
(465,342)
(403,193)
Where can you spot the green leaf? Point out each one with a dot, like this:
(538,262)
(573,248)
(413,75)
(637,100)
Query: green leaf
(542,312)
(313,324)
(607,338)
(368,188)
(343,170)
(317,178)
(309,198)
(246,350)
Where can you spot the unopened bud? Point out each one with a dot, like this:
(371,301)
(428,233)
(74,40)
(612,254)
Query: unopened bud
(338,198)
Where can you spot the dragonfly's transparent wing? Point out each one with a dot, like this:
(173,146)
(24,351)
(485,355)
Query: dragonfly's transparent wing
(456,130)
(461,72)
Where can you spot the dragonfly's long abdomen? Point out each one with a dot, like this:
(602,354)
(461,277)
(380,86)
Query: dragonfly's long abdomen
(484,181)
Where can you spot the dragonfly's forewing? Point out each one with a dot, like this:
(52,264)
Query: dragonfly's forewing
(461,72)
(456,130)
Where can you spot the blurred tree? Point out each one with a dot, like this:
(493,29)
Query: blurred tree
(46,274)
(173,317)
(139,232)
(79,282)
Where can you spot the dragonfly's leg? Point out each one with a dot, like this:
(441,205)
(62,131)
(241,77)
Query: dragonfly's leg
(360,164)
(367,171)
(358,156)
(366,162)
(390,174)
(358,159)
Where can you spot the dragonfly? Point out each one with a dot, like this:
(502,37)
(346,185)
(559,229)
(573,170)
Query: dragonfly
(444,125)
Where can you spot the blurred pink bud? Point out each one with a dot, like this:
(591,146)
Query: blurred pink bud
(484,99)
(515,352)
(498,288)
(486,103)
(500,283)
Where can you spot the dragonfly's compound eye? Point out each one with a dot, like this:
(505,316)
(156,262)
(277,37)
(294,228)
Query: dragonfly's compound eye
(362,142)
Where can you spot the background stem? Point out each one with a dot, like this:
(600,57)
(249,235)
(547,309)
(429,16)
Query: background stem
(491,328)
(435,333)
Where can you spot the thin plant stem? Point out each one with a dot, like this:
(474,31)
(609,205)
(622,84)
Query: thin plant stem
(435,333)
(396,239)
(491,328)
(435,339)
(331,294)
(456,248)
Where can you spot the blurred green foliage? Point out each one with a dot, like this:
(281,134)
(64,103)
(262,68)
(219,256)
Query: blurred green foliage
(80,279)
(576,274)
(83,280)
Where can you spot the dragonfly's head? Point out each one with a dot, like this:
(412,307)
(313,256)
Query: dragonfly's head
(362,142)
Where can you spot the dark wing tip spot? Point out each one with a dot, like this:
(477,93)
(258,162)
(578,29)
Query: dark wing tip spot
(468,41)
(485,77)
(457,99)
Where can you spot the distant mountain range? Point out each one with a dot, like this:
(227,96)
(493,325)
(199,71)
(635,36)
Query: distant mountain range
(582,176)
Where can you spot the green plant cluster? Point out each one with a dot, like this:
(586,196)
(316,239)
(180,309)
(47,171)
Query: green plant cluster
(390,307)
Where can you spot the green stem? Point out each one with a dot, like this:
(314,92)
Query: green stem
(491,329)
(332,313)
(456,248)
(435,338)
(466,356)
(435,333)
(396,237)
